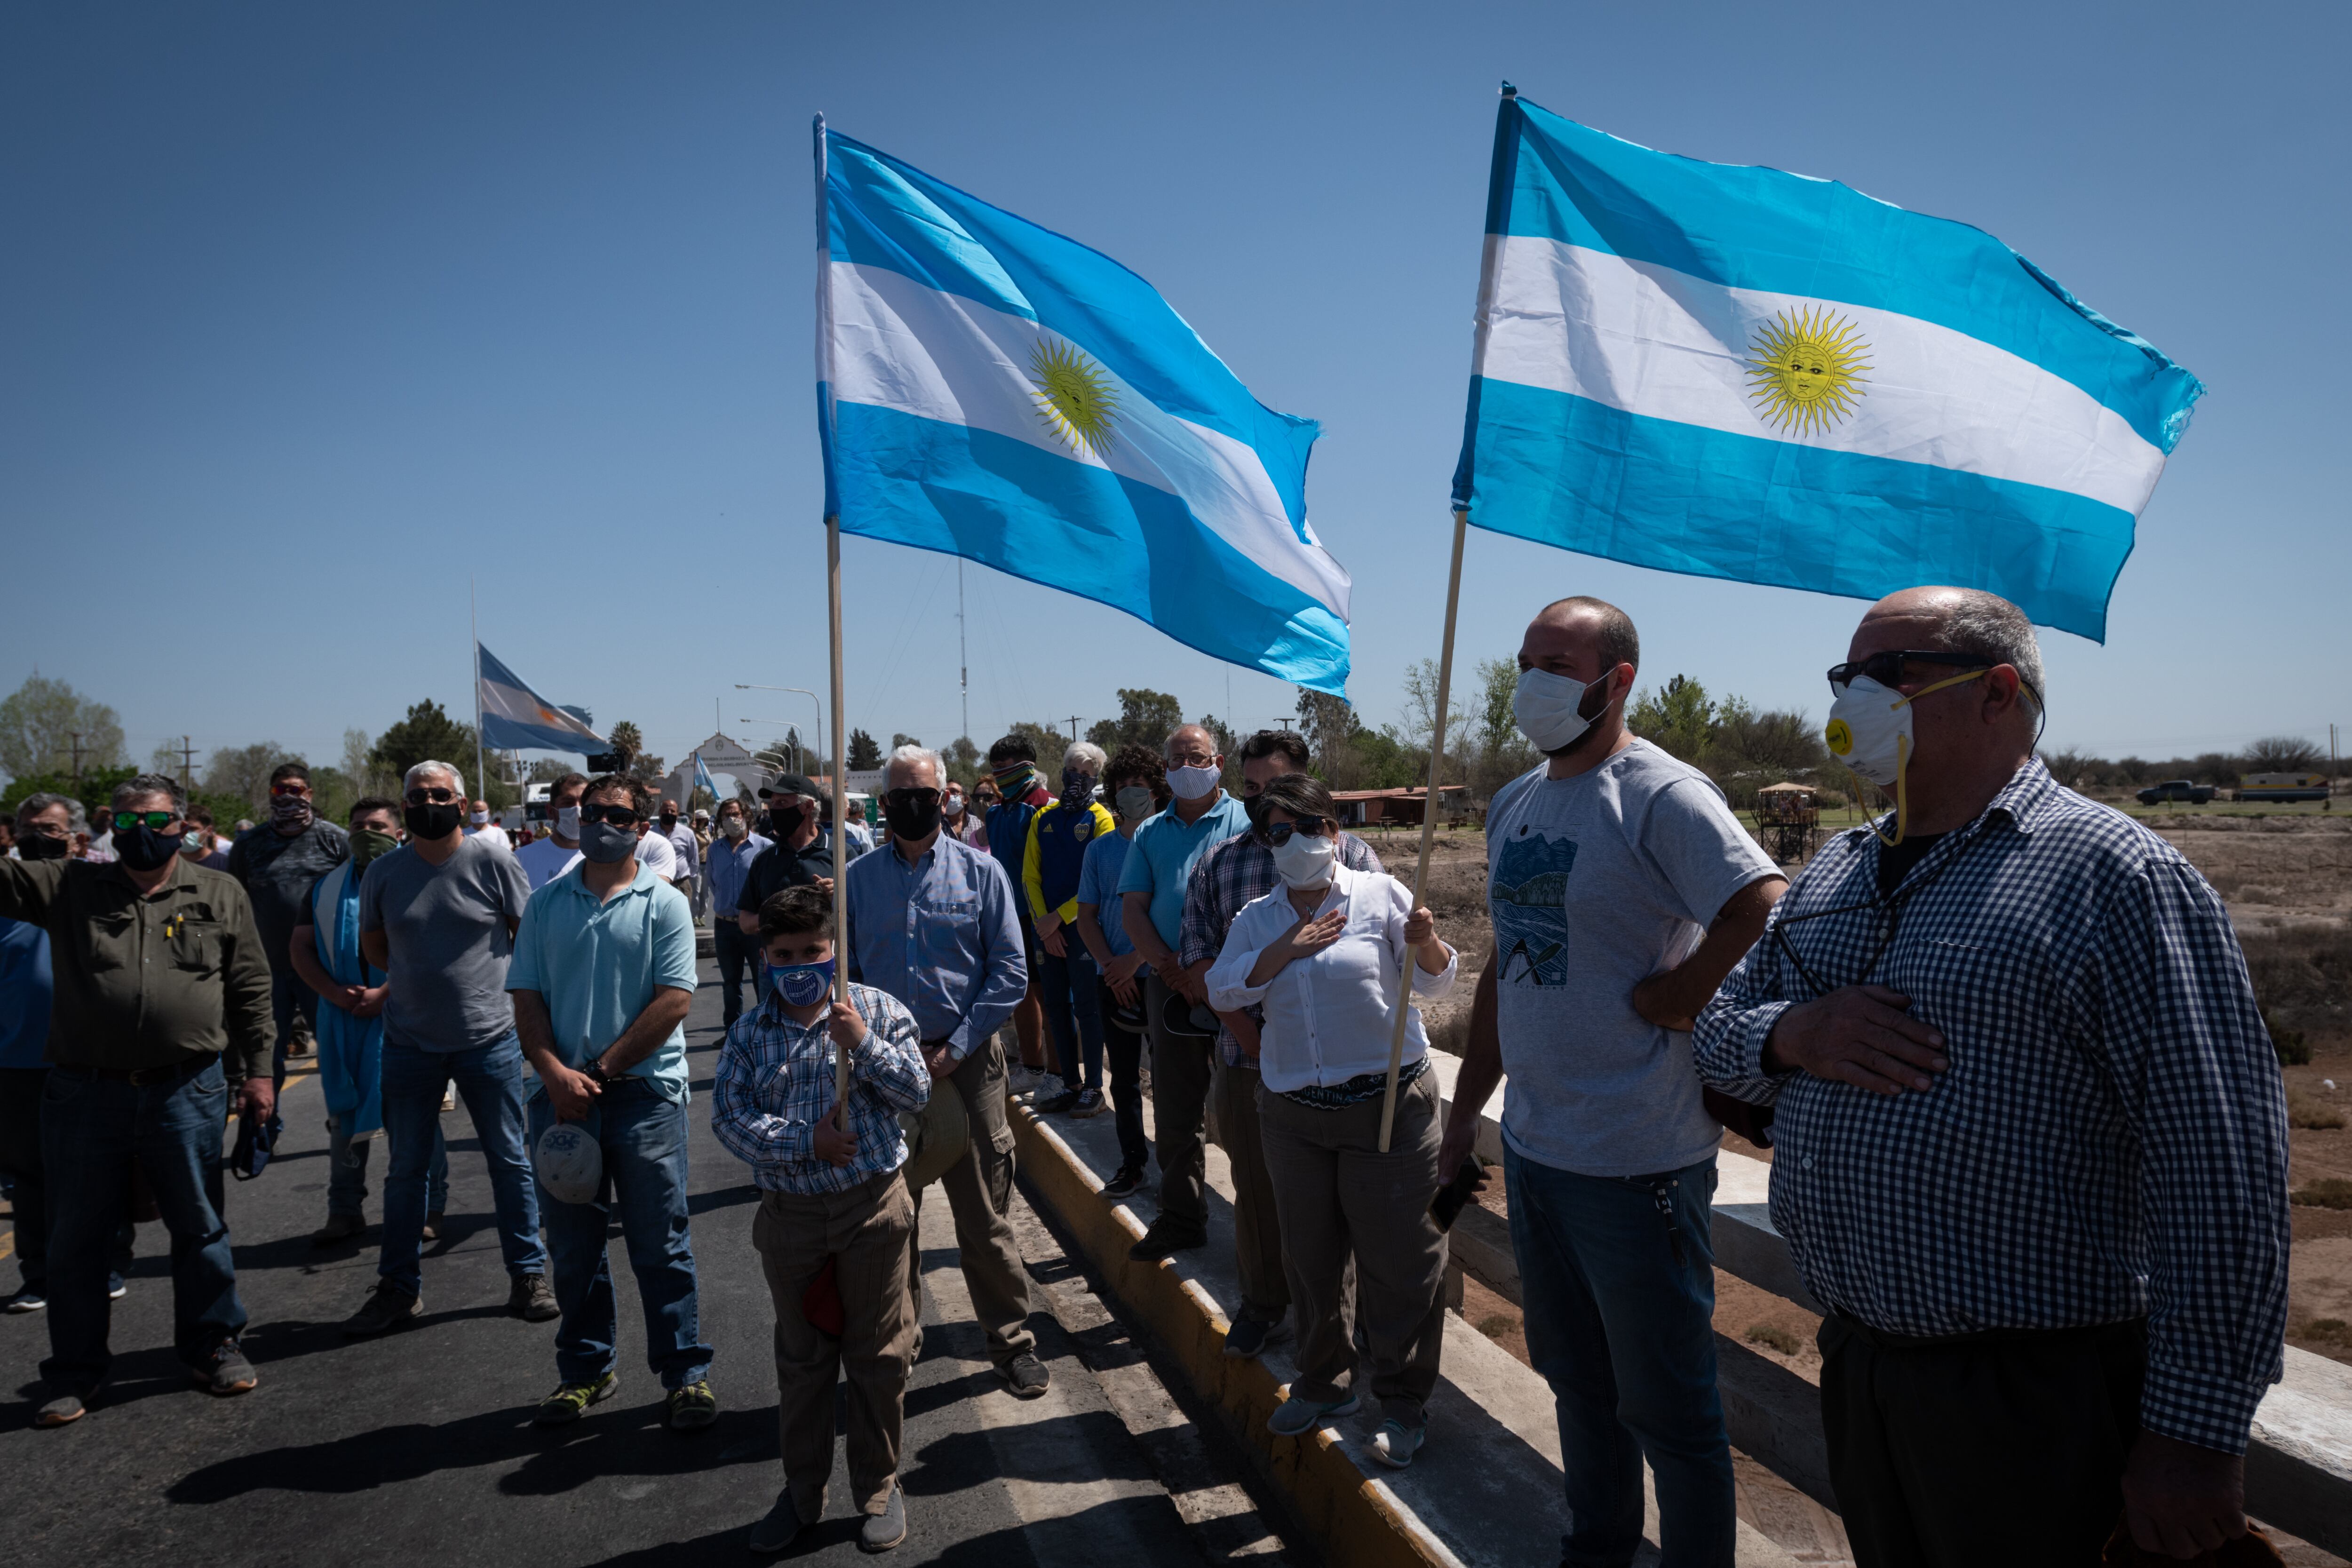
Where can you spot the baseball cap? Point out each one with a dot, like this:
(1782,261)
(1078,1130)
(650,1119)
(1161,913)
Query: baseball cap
(569,1165)
(790,784)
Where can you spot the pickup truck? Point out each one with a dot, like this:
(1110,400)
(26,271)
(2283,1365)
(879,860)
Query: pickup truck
(2175,789)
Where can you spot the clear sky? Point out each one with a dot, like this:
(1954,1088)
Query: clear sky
(310,314)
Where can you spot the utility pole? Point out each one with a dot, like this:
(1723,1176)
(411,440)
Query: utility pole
(1073,722)
(187,762)
(76,735)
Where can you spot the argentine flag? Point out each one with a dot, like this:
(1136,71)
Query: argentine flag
(1740,372)
(516,718)
(991,389)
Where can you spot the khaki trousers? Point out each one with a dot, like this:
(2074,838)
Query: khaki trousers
(868,1232)
(1257,1223)
(1337,1192)
(980,1194)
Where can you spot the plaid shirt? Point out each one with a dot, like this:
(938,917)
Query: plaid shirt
(2110,1140)
(1227,878)
(774,1083)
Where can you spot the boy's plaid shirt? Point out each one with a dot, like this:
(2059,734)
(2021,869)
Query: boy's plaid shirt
(774,1082)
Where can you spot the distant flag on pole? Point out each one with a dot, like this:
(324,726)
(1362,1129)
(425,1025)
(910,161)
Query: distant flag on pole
(514,717)
(1739,373)
(702,777)
(991,389)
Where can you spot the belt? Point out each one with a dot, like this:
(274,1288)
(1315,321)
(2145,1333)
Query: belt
(1887,1342)
(142,1078)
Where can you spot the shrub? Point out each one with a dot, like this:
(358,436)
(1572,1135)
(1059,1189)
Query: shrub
(2307,1110)
(1773,1337)
(2332,1192)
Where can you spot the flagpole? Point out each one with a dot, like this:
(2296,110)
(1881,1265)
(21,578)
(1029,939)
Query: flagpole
(474,617)
(1429,807)
(832,619)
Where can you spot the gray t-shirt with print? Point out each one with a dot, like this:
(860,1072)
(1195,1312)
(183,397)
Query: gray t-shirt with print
(1596,882)
(446,926)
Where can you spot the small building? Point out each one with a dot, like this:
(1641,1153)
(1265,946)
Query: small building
(730,765)
(1396,807)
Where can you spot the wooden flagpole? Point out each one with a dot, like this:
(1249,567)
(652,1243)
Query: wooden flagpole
(1429,809)
(833,621)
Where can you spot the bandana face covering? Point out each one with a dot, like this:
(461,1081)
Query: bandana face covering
(801,985)
(290,811)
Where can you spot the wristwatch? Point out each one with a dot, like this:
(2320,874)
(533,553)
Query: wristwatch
(596,1071)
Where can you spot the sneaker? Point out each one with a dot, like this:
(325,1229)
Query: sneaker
(340,1228)
(432,1231)
(388,1306)
(1055,1099)
(883,1531)
(117,1287)
(1090,1103)
(1165,1240)
(1294,1416)
(450,1098)
(531,1301)
(1026,1376)
(1125,1184)
(27,1300)
(1395,1444)
(783,1523)
(692,1407)
(63,1411)
(570,1400)
(1247,1337)
(1021,1081)
(226,1373)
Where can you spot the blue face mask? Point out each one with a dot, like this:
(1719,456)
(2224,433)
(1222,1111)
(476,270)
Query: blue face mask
(802,984)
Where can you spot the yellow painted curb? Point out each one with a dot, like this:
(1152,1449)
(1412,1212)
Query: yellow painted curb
(1356,1518)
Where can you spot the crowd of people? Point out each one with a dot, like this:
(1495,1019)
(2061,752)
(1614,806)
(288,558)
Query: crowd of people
(2027,1129)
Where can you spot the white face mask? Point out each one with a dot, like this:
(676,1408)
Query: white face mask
(1303,862)
(567,822)
(1545,708)
(734,829)
(1192,784)
(481,819)
(1870,731)
(951,805)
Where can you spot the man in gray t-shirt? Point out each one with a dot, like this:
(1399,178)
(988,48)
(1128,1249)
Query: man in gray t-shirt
(1623,891)
(439,914)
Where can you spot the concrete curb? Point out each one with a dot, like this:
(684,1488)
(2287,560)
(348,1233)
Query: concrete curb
(1354,1518)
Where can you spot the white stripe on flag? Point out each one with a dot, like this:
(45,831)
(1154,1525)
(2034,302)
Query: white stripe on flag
(1662,344)
(900,345)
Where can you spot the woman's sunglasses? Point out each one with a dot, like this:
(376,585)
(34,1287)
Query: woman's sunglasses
(1278,833)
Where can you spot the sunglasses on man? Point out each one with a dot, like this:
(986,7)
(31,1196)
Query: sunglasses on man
(290,787)
(618,815)
(909,799)
(434,795)
(1886,668)
(1278,833)
(133,821)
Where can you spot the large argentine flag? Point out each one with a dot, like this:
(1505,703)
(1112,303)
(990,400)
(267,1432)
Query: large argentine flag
(514,717)
(991,389)
(1740,372)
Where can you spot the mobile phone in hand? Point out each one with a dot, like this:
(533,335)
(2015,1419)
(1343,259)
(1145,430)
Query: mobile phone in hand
(1447,1205)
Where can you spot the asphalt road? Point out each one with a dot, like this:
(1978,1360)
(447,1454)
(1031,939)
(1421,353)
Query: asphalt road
(418,1447)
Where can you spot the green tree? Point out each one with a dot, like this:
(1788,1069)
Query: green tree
(1049,742)
(1330,727)
(1145,719)
(427,733)
(43,721)
(963,762)
(863,754)
(1678,717)
(627,743)
(1499,754)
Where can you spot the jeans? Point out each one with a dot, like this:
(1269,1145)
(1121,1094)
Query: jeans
(735,948)
(489,1080)
(20,1159)
(347,1164)
(1618,1279)
(643,1136)
(289,998)
(91,1129)
(1126,1051)
(1067,985)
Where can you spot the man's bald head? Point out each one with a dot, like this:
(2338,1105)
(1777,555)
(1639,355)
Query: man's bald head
(1191,743)
(1612,629)
(1956,620)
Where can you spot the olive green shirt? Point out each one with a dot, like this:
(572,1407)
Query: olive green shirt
(146,982)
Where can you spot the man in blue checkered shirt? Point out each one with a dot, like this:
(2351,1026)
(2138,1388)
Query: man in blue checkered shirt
(830,1202)
(2030,1140)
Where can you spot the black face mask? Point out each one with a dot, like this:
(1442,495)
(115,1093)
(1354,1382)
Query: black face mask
(142,849)
(912,817)
(668,820)
(41,847)
(432,821)
(783,822)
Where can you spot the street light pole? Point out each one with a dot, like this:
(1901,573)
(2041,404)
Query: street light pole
(804,691)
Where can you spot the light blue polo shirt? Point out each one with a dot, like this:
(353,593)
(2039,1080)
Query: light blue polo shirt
(596,966)
(1160,861)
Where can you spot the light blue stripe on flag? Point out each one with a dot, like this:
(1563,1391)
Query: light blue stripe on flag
(1745,374)
(994,390)
(514,717)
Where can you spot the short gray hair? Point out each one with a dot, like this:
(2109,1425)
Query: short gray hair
(144,784)
(1987,625)
(909,755)
(32,806)
(456,780)
(1084,751)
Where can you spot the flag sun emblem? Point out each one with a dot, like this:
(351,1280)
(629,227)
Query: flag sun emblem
(1074,397)
(1804,370)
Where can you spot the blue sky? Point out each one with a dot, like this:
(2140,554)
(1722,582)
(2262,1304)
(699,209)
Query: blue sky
(310,314)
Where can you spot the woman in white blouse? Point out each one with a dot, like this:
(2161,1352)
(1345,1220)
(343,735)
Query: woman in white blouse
(1322,954)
